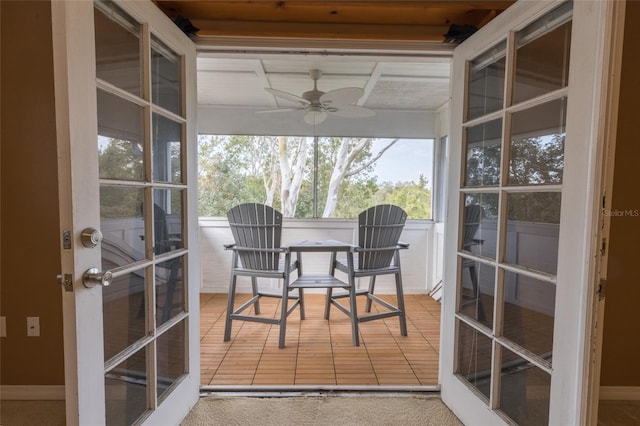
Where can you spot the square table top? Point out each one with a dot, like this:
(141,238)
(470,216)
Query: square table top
(320,246)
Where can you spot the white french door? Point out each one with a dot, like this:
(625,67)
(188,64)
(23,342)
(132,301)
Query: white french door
(125,106)
(524,205)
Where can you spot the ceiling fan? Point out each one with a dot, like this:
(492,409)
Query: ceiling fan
(319,104)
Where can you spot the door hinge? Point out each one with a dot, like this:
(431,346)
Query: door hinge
(602,289)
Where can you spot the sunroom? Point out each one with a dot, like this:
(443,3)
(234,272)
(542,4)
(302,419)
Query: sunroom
(524,131)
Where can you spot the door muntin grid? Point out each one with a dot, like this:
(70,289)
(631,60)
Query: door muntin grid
(141,146)
(504,315)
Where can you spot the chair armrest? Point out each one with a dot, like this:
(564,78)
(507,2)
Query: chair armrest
(260,250)
(403,245)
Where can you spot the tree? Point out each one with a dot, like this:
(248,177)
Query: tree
(234,169)
(415,197)
(120,159)
(346,165)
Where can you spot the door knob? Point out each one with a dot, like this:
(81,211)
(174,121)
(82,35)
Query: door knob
(93,277)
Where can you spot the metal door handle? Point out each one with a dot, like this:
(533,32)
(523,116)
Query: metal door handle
(93,277)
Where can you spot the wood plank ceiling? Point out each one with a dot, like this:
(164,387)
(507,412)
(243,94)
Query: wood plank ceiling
(425,21)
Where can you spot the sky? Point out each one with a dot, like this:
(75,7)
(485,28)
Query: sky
(405,160)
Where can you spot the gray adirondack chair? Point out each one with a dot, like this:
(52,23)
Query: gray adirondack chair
(257,253)
(377,253)
(472,217)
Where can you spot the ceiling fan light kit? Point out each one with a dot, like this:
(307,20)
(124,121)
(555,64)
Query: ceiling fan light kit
(319,105)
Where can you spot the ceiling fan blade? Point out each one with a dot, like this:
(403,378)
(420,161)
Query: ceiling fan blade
(344,96)
(287,96)
(352,111)
(269,111)
(315,117)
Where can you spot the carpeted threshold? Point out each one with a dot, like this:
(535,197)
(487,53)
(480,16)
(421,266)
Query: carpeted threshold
(321,410)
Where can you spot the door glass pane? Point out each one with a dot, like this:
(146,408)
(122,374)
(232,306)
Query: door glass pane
(126,390)
(121,225)
(123,308)
(477,291)
(474,358)
(170,295)
(167,220)
(480,223)
(167,150)
(524,390)
(120,138)
(165,76)
(542,56)
(486,82)
(484,145)
(171,347)
(537,144)
(529,306)
(532,230)
(117,48)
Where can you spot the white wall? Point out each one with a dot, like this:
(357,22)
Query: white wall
(216,262)
(244,121)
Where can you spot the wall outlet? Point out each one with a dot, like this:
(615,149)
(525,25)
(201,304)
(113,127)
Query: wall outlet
(33,326)
(3,326)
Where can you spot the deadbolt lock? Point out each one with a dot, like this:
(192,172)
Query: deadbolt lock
(90,237)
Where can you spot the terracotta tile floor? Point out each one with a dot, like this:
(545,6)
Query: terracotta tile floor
(320,352)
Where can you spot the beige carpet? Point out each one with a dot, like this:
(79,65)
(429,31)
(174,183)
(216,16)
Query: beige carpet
(321,410)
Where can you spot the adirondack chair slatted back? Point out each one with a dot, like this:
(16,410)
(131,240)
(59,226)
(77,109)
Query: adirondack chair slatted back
(256,226)
(472,216)
(379,226)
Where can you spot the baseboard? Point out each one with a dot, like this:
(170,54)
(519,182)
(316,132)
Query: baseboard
(620,393)
(32,393)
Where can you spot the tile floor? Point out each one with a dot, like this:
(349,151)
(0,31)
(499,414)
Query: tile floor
(320,352)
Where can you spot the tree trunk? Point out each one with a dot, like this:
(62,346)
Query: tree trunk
(291,177)
(341,169)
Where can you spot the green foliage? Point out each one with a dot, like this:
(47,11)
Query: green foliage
(120,159)
(414,197)
(537,160)
(231,170)
(120,202)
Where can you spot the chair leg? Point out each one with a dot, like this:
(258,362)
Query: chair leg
(283,312)
(327,303)
(332,272)
(230,304)
(400,297)
(354,311)
(476,293)
(372,286)
(301,298)
(254,290)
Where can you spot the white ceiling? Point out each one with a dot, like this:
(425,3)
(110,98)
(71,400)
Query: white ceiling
(389,84)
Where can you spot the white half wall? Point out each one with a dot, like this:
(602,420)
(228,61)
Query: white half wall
(216,262)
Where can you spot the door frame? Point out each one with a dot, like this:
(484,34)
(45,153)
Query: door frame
(574,327)
(76,127)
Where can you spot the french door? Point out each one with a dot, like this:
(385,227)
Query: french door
(125,106)
(524,200)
